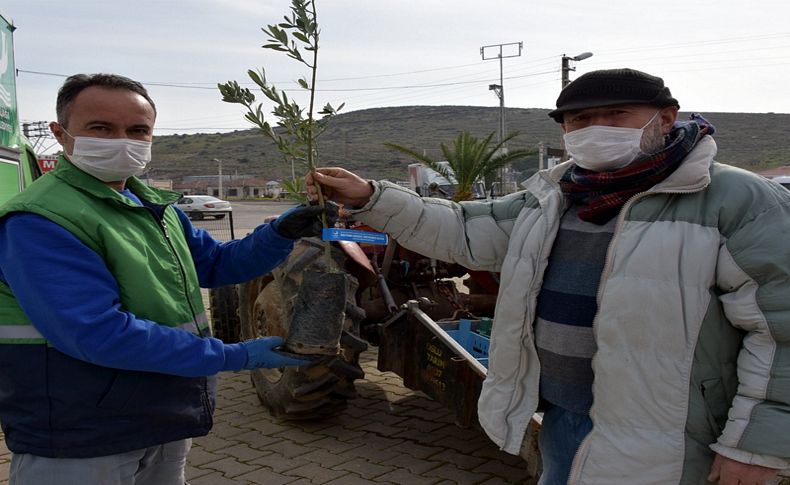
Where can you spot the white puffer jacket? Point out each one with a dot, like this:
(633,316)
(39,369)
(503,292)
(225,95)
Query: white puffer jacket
(693,328)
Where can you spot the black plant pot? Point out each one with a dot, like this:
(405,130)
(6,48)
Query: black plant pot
(318,314)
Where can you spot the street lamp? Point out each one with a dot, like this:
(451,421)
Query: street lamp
(566,68)
(219,182)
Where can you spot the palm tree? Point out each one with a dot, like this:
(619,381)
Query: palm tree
(470,159)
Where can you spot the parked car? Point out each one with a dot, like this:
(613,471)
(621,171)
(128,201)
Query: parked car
(200,206)
(783,180)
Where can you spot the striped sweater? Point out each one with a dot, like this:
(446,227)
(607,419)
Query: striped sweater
(566,309)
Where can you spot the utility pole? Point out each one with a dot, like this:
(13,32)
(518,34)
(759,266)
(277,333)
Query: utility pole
(37,132)
(566,65)
(219,182)
(497,51)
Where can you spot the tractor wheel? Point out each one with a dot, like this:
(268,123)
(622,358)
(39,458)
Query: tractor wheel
(308,392)
(224,306)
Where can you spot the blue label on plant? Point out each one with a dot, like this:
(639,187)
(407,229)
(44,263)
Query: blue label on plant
(334,234)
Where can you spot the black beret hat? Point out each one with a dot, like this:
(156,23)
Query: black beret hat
(609,87)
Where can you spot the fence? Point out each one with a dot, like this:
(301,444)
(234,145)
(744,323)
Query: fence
(219,224)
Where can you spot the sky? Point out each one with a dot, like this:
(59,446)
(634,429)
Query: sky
(715,55)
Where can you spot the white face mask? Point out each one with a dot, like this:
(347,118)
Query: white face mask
(110,159)
(600,148)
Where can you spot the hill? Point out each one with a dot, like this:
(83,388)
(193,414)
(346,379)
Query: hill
(355,140)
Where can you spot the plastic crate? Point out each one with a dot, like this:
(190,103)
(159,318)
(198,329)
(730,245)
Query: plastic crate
(471,341)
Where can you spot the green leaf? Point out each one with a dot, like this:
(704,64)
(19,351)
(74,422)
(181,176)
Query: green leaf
(258,78)
(253,119)
(296,189)
(301,37)
(303,83)
(272,93)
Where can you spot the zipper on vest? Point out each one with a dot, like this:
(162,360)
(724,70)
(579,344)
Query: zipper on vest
(532,291)
(163,225)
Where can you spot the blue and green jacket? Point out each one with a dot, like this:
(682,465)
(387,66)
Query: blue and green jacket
(105,341)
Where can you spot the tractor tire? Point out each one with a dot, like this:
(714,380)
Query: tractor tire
(318,390)
(224,307)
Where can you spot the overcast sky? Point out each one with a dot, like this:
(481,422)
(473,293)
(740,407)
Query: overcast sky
(715,55)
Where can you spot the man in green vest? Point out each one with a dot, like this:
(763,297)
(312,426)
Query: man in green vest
(107,366)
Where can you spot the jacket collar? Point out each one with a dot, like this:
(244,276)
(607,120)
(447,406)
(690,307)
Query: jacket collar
(694,172)
(75,177)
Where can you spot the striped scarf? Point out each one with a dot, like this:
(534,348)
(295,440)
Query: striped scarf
(602,194)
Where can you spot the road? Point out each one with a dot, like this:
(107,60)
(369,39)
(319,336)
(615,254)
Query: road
(247,215)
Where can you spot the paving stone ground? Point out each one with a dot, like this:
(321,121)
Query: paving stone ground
(389,434)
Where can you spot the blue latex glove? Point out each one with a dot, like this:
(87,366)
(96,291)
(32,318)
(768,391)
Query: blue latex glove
(260,353)
(304,220)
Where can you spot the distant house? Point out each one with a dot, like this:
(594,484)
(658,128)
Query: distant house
(165,184)
(228,191)
(237,188)
(273,189)
(253,188)
(240,188)
(192,187)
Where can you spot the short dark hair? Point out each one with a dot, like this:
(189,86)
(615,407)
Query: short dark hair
(78,82)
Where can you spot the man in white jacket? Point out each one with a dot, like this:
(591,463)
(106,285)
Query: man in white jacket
(642,304)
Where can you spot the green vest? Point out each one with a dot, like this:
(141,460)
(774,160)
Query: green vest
(143,247)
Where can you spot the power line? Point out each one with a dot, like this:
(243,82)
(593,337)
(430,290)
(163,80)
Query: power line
(534,63)
(464,80)
(337,125)
(729,40)
(380,88)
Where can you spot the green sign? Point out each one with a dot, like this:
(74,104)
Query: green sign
(9,179)
(9,121)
